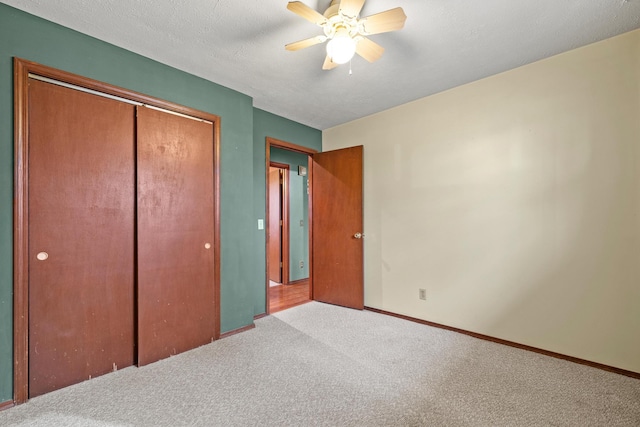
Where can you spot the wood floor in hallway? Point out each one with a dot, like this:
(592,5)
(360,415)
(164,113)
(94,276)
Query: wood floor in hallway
(282,297)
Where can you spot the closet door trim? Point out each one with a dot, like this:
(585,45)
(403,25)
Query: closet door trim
(113,97)
(22,70)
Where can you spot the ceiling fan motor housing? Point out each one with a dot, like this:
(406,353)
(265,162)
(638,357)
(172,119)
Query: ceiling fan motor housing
(336,21)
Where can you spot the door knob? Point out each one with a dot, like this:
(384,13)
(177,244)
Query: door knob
(42,256)
(358,235)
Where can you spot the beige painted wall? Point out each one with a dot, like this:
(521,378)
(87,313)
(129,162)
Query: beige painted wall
(515,202)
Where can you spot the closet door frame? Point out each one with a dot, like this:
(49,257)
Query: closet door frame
(22,70)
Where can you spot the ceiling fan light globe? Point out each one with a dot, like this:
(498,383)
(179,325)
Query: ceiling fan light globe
(341,48)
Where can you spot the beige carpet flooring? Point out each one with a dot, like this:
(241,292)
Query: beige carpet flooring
(321,365)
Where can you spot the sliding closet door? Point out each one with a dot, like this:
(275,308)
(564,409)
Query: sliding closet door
(81,236)
(175,234)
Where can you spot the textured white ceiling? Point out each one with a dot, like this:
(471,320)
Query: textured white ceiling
(240,44)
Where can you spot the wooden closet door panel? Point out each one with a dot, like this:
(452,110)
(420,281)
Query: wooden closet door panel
(81,219)
(175,234)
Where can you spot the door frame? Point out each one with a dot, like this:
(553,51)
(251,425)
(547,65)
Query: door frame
(284,230)
(277,143)
(22,69)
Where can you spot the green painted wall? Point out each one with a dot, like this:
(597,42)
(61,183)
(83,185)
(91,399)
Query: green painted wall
(269,125)
(298,211)
(26,36)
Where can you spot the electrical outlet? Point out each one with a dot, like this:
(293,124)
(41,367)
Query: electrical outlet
(422,294)
(301,264)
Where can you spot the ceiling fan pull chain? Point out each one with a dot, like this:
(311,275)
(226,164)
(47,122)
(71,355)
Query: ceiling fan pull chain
(350,72)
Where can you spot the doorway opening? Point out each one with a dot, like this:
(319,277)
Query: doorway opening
(288,225)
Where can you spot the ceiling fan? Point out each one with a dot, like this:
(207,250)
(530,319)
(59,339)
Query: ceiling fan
(345,31)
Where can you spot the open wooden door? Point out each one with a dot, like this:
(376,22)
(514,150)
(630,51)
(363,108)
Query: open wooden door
(275,225)
(337,247)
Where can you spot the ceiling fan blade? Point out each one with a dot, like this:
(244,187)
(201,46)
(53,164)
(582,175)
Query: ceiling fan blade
(383,22)
(328,64)
(351,8)
(306,12)
(371,51)
(305,43)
